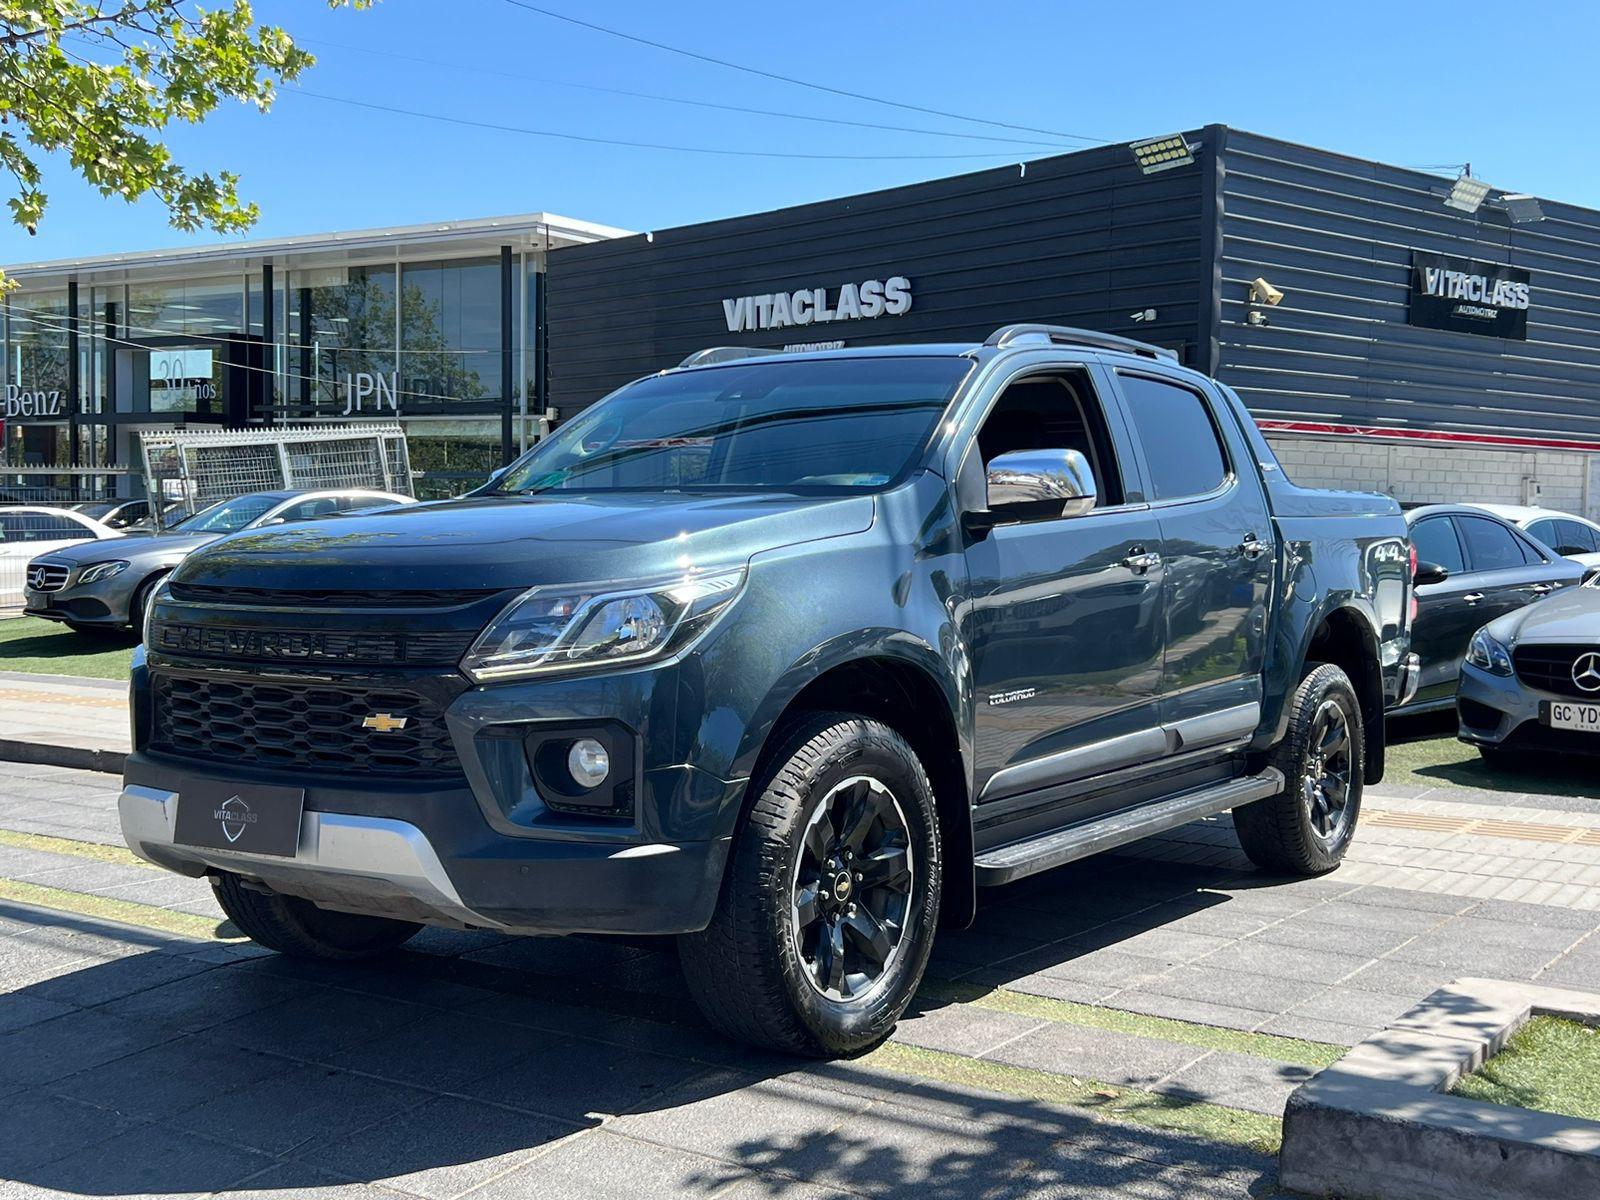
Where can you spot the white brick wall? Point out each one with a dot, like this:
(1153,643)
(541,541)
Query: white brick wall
(1435,473)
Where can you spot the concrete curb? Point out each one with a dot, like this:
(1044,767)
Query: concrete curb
(79,758)
(1379,1123)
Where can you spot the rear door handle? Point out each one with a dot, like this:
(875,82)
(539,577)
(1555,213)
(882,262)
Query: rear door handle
(1542,589)
(1140,560)
(1252,547)
(1473,597)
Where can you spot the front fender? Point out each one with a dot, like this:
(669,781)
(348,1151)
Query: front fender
(881,643)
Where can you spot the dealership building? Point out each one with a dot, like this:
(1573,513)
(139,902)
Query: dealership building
(1391,329)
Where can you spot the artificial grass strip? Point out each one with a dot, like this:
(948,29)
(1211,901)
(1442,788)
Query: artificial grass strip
(127,912)
(97,851)
(1166,1029)
(40,647)
(1212,1122)
(1551,1064)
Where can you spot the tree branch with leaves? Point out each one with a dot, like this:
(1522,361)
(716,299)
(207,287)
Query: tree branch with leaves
(100,80)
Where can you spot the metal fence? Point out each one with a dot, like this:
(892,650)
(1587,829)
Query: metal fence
(197,468)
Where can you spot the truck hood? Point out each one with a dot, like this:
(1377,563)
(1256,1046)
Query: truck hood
(1570,615)
(519,541)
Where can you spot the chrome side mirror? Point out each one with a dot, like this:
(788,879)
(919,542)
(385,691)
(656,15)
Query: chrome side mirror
(1052,483)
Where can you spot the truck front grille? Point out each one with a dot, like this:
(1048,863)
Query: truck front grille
(1550,668)
(318,727)
(251,597)
(332,647)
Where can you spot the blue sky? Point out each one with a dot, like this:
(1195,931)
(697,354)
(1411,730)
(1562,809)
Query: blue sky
(1509,88)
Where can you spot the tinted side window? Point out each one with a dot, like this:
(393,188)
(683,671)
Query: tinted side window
(1545,530)
(1054,412)
(1180,442)
(1436,542)
(1490,545)
(1574,533)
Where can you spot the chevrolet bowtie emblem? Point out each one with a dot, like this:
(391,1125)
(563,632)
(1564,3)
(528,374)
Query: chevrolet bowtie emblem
(384,722)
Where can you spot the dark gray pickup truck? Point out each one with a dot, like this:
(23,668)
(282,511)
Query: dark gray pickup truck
(788,657)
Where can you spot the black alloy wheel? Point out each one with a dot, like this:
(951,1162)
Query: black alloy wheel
(1325,782)
(852,884)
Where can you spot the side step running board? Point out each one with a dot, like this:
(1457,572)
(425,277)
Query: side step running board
(1006,863)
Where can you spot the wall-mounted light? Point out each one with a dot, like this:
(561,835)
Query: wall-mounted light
(1162,153)
(1144,314)
(1467,194)
(1522,208)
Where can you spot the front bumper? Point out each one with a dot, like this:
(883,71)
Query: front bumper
(1502,711)
(105,602)
(435,860)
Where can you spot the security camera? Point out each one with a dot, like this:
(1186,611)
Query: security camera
(1262,292)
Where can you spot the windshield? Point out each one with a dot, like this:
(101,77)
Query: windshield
(821,426)
(228,516)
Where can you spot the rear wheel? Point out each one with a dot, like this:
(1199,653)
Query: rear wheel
(1306,829)
(831,899)
(300,929)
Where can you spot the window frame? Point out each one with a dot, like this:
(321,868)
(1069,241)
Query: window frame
(1230,474)
(965,452)
(1523,543)
(1448,520)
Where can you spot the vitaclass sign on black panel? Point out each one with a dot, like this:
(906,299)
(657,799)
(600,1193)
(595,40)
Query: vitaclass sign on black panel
(1468,296)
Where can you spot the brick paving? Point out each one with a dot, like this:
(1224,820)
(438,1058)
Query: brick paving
(472,1064)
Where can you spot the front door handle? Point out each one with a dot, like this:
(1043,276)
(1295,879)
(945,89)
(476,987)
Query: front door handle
(1252,547)
(1140,560)
(1473,597)
(1542,589)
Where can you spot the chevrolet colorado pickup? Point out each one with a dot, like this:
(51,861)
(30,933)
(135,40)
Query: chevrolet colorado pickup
(786,656)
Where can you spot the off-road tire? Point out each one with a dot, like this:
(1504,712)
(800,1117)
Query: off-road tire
(300,929)
(1277,834)
(744,970)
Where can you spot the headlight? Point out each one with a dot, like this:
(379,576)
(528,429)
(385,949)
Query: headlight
(550,629)
(1487,654)
(103,570)
(156,596)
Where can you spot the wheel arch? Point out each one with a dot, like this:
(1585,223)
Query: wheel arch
(909,698)
(1345,638)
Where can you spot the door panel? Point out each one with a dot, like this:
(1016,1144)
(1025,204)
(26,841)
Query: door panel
(1066,643)
(1445,618)
(1217,545)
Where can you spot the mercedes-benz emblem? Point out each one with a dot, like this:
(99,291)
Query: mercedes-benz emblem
(1586,671)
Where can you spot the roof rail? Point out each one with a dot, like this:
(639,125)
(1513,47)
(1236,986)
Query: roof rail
(1063,335)
(721,354)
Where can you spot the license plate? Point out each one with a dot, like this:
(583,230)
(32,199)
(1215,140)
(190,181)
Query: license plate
(1585,718)
(257,818)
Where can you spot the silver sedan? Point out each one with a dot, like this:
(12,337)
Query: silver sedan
(1531,679)
(99,586)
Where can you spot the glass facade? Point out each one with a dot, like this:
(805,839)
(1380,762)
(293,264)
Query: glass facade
(414,339)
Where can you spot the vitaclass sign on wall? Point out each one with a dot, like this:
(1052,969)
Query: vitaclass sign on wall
(1467,296)
(889,297)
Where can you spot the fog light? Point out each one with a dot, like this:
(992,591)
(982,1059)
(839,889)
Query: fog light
(588,763)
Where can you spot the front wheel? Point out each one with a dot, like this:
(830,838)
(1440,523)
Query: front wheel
(1306,829)
(831,900)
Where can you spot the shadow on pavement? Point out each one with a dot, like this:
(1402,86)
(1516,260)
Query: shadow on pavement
(156,1066)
